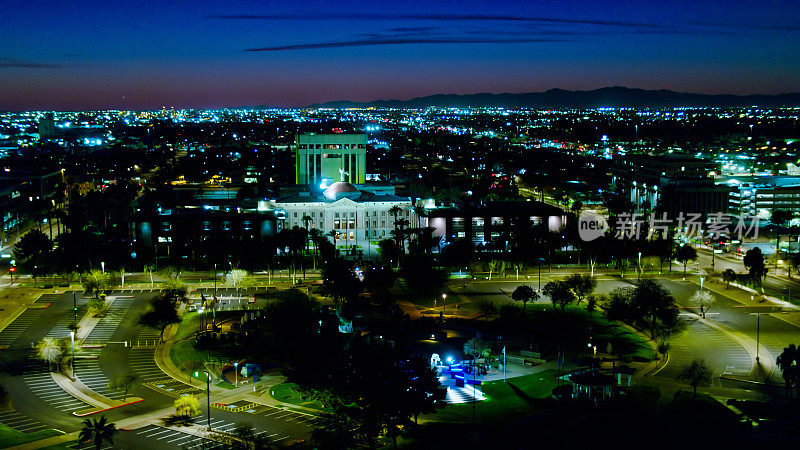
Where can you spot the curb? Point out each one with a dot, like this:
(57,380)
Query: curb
(84,413)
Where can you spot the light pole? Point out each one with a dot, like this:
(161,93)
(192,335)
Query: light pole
(236,369)
(72,342)
(639,264)
(758,330)
(208,394)
(215,280)
(444,303)
(540,273)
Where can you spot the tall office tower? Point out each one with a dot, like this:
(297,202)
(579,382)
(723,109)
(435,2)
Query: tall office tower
(327,158)
(47,126)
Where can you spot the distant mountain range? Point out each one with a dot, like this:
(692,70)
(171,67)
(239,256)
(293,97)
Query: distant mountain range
(617,96)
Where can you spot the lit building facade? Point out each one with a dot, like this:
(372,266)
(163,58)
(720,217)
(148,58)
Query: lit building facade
(355,217)
(335,157)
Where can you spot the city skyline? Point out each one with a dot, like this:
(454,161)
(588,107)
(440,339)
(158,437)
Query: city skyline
(125,56)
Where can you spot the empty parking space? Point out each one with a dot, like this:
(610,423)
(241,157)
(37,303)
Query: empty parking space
(143,363)
(21,422)
(287,415)
(15,329)
(38,379)
(153,436)
(107,326)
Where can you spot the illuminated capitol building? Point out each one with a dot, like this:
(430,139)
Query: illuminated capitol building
(336,198)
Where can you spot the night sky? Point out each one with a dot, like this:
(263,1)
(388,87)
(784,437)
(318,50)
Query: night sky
(146,54)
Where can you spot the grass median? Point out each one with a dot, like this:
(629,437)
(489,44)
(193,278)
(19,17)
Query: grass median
(9,437)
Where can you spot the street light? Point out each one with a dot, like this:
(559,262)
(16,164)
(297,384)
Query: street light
(640,266)
(236,369)
(444,303)
(72,342)
(208,394)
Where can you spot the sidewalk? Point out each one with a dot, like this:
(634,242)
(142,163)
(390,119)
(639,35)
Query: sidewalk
(77,389)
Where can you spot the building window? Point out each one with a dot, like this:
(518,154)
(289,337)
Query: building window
(295,214)
(336,215)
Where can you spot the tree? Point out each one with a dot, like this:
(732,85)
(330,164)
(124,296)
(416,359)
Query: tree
(49,350)
(148,269)
(237,278)
(789,363)
(702,300)
(524,294)
(581,285)
(388,250)
(187,405)
(97,431)
(728,276)
(245,437)
(161,313)
(754,262)
(122,383)
(190,367)
(477,347)
(697,374)
(487,308)
(396,211)
(780,218)
(32,244)
(655,307)
(684,254)
(5,399)
(95,282)
(97,305)
(560,294)
(422,278)
(496,265)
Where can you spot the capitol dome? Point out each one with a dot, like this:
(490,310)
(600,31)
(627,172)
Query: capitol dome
(341,189)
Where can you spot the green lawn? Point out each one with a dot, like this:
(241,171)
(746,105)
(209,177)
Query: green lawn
(515,398)
(286,393)
(10,437)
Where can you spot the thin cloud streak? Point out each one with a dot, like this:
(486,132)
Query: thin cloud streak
(12,63)
(364,43)
(438,17)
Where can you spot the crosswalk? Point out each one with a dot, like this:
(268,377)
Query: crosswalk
(21,422)
(463,395)
(15,329)
(38,379)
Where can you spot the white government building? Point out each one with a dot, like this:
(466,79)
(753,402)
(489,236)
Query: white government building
(357,216)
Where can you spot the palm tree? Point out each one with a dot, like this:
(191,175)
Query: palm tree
(306,220)
(49,350)
(97,431)
(396,211)
(419,211)
(696,374)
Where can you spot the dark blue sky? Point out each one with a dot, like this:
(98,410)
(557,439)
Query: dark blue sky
(145,54)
